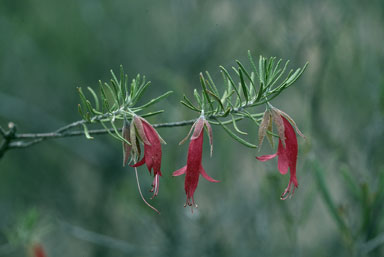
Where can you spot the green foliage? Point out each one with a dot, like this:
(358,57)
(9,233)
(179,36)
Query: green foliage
(242,90)
(118,103)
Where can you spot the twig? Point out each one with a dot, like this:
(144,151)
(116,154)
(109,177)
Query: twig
(13,140)
(7,138)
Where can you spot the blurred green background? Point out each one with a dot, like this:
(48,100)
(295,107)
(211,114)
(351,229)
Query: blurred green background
(73,196)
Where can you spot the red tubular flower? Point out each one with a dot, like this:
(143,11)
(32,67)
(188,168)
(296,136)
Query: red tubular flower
(152,150)
(287,157)
(38,251)
(194,167)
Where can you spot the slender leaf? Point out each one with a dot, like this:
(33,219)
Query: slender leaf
(217,99)
(236,128)
(140,92)
(151,113)
(236,137)
(189,106)
(246,73)
(95,98)
(198,98)
(212,84)
(244,87)
(155,100)
(250,58)
(230,80)
(86,132)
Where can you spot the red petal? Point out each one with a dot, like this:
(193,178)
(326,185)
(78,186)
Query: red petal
(152,151)
(291,146)
(283,161)
(180,171)
(38,251)
(206,176)
(266,157)
(139,163)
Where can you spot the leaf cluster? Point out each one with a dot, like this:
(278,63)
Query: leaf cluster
(116,100)
(243,88)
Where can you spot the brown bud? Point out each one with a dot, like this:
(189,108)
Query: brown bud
(126,147)
(140,129)
(134,143)
(292,122)
(279,124)
(269,134)
(263,127)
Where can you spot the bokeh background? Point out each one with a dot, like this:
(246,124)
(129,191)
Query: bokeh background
(73,196)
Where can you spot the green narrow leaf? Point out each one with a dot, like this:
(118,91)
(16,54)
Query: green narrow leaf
(235,70)
(280,74)
(293,76)
(151,113)
(224,97)
(230,80)
(116,83)
(250,58)
(133,88)
(236,128)
(155,100)
(261,78)
(117,91)
(212,84)
(204,86)
(86,132)
(189,106)
(140,92)
(102,89)
(89,107)
(106,106)
(121,80)
(108,130)
(261,69)
(275,73)
(249,115)
(250,78)
(197,97)
(225,114)
(190,103)
(269,65)
(114,96)
(252,88)
(243,86)
(114,77)
(126,88)
(88,117)
(236,137)
(296,75)
(80,111)
(97,104)
(217,99)
(82,97)
(117,133)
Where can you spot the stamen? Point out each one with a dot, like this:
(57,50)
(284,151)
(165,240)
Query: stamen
(155,186)
(141,194)
(287,191)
